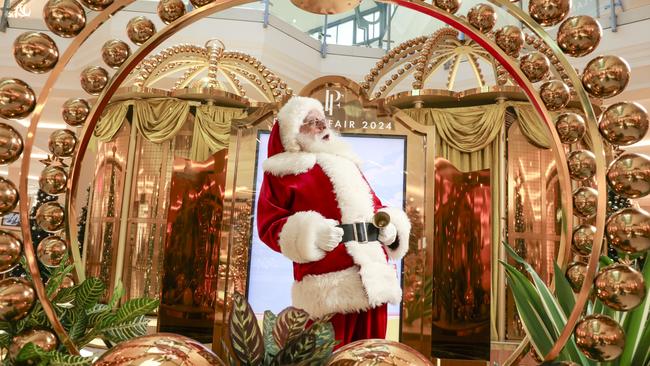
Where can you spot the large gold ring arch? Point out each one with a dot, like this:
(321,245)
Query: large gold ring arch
(456,22)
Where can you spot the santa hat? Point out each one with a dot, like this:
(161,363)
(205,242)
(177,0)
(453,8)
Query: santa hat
(291,116)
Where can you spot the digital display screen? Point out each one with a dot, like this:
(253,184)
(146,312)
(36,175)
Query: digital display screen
(271,273)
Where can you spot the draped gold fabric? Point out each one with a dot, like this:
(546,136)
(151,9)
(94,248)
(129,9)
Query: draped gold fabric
(212,130)
(160,119)
(531,126)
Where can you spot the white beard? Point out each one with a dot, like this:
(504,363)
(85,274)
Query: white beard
(334,145)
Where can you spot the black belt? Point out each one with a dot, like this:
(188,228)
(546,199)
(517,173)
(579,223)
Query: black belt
(361,232)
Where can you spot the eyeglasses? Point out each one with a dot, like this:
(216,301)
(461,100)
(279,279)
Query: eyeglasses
(317,122)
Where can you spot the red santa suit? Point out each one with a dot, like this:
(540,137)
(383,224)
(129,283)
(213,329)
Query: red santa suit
(300,192)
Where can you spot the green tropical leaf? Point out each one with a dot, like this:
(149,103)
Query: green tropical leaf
(289,324)
(126,330)
(54,283)
(637,321)
(134,308)
(296,352)
(88,292)
(226,351)
(60,359)
(97,313)
(32,353)
(245,336)
(5,340)
(118,292)
(6,326)
(321,354)
(565,295)
(79,324)
(65,295)
(325,343)
(642,356)
(270,347)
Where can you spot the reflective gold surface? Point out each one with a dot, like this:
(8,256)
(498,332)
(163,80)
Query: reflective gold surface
(624,123)
(11,144)
(579,35)
(53,180)
(41,338)
(161,349)
(17,99)
(549,12)
(582,164)
(62,143)
(65,18)
(97,5)
(50,217)
(8,196)
(570,127)
(482,17)
(628,230)
(583,238)
(599,337)
(35,52)
(16,299)
(510,39)
(575,274)
(326,6)
(585,201)
(93,79)
(448,5)
(51,251)
(606,76)
(170,10)
(620,287)
(10,250)
(115,52)
(535,66)
(629,175)
(555,94)
(74,111)
(200,3)
(140,29)
(377,352)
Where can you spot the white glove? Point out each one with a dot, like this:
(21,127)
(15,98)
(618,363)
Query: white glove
(328,236)
(388,234)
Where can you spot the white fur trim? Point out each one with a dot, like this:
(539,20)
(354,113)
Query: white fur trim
(336,292)
(403,225)
(288,163)
(291,116)
(298,237)
(378,276)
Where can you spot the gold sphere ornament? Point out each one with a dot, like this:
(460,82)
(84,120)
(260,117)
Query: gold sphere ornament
(570,127)
(482,17)
(199,3)
(600,337)
(67,282)
(65,18)
(578,36)
(377,352)
(16,299)
(140,29)
(585,201)
(575,274)
(41,338)
(450,6)
(629,175)
(535,66)
(321,6)
(97,5)
(555,94)
(628,230)
(62,143)
(8,196)
(51,251)
(11,144)
(620,287)
(10,249)
(624,123)
(606,76)
(164,349)
(582,164)
(170,10)
(510,39)
(35,52)
(17,99)
(549,12)
(50,216)
(94,79)
(115,52)
(75,111)
(53,180)
(582,239)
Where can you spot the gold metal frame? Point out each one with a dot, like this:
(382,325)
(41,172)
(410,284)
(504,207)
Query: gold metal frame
(456,22)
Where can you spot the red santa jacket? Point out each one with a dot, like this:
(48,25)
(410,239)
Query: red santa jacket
(299,191)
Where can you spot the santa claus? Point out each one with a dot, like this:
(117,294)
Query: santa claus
(316,208)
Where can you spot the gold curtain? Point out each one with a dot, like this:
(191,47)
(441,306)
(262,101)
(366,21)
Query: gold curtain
(531,126)
(111,120)
(212,130)
(159,119)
